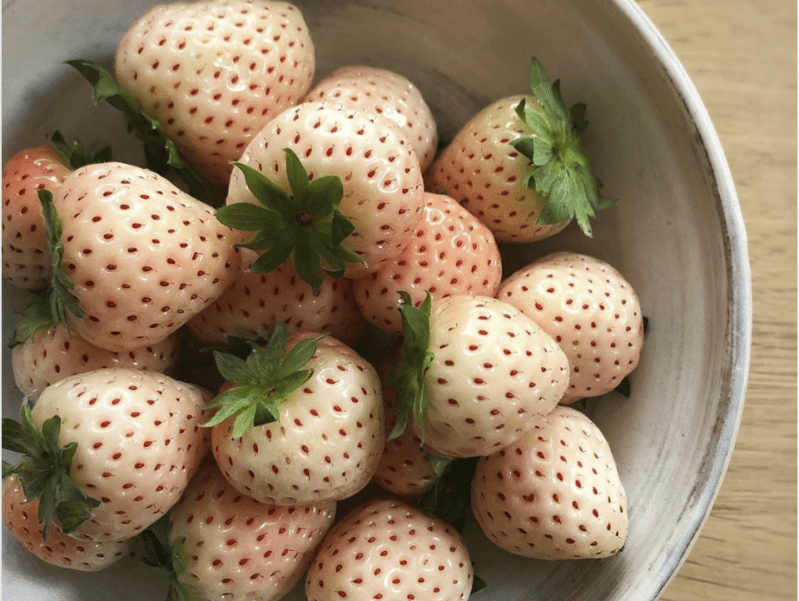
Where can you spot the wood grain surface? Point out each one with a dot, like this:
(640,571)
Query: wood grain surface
(742,57)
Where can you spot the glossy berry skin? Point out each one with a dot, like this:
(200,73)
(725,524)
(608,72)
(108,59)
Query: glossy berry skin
(143,255)
(390,95)
(53,354)
(62,550)
(555,493)
(404,468)
(389,550)
(139,441)
(26,256)
(450,252)
(383,189)
(255,302)
(234,547)
(494,374)
(590,309)
(327,442)
(483,172)
(214,72)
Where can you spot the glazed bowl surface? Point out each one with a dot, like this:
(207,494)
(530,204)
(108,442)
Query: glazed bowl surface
(676,233)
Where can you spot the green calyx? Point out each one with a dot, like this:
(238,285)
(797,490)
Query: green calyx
(44,471)
(160,553)
(76,155)
(408,378)
(160,151)
(51,309)
(449,498)
(262,381)
(305,225)
(561,171)
(38,315)
(59,296)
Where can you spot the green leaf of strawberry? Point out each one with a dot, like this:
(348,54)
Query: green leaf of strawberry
(36,316)
(160,151)
(160,553)
(560,171)
(305,225)
(449,498)
(60,298)
(263,380)
(43,471)
(77,155)
(408,377)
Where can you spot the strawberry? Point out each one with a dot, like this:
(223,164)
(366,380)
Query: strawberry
(588,307)
(388,94)
(26,258)
(387,549)
(451,252)
(555,493)
(476,374)
(53,354)
(27,262)
(212,73)
(233,547)
(43,353)
(335,188)
(256,302)
(19,516)
(109,451)
(520,167)
(138,256)
(405,468)
(300,425)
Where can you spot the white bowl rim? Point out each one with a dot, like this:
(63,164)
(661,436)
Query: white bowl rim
(739,301)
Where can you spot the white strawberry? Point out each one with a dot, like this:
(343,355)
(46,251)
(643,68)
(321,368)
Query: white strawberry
(51,353)
(520,167)
(555,493)
(26,257)
(300,425)
(451,252)
(118,446)
(389,550)
(213,72)
(390,95)
(335,188)
(139,257)
(256,302)
(59,549)
(476,374)
(405,468)
(27,262)
(233,547)
(590,309)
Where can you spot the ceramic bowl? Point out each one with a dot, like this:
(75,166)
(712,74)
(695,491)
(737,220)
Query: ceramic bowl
(676,233)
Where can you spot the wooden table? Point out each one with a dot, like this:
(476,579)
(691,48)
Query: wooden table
(742,57)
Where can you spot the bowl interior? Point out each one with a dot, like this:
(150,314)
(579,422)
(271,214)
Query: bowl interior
(674,233)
